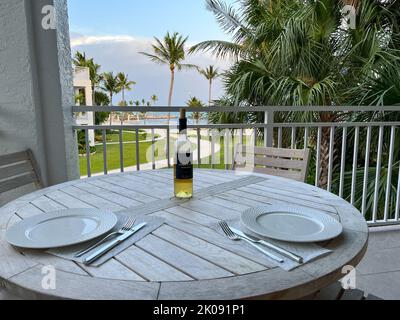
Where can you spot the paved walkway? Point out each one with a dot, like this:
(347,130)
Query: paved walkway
(379,271)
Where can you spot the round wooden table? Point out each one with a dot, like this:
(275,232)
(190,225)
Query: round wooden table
(185,258)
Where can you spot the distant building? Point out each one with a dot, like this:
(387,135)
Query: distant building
(83,86)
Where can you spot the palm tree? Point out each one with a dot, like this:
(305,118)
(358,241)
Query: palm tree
(144,104)
(170,52)
(154,99)
(111,86)
(137,104)
(124,84)
(80,60)
(79,98)
(194,102)
(299,53)
(210,73)
(101,100)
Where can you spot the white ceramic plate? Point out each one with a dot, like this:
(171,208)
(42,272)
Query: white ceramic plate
(61,228)
(291,224)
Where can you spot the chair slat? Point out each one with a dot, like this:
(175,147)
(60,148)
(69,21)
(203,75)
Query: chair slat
(36,168)
(333,292)
(354,294)
(287,163)
(279,163)
(294,175)
(17,182)
(279,152)
(15,170)
(13,158)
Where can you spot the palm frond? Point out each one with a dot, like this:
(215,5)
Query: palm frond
(154,58)
(221,49)
(187,66)
(226,15)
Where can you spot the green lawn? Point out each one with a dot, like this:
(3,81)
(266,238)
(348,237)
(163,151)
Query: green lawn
(113,156)
(129,150)
(206,162)
(127,137)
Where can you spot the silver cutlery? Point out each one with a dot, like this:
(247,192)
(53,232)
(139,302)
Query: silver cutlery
(235,237)
(284,252)
(108,247)
(125,228)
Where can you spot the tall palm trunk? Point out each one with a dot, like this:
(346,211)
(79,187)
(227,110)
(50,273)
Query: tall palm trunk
(324,149)
(171,90)
(111,102)
(94,95)
(210,93)
(324,160)
(122,115)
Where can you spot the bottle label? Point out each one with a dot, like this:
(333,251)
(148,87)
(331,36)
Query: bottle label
(184,167)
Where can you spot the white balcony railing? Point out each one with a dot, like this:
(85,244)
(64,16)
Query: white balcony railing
(359,161)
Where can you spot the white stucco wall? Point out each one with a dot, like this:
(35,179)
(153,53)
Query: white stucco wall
(67,90)
(18,125)
(36,92)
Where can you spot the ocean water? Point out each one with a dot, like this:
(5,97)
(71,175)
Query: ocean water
(172,121)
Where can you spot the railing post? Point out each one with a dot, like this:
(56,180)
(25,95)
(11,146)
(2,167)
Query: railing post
(105,152)
(389,173)
(168,147)
(137,150)
(121,151)
(366,171)
(153,149)
(343,162)
(88,164)
(212,149)
(198,147)
(269,131)
(378,175)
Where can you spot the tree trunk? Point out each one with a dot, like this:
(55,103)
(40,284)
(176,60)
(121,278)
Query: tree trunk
(324,149)
(324,160)
(123,96)
(210,93)
(94,95)
(111,102)
(171,90)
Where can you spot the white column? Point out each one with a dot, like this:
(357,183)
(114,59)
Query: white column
(36,92)
(90,115)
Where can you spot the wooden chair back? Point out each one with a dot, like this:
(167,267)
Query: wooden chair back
(17,170)
(287,163)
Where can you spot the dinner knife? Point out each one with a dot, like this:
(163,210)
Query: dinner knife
(100,252)
(271,246)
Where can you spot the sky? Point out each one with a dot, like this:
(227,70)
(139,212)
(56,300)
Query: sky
(114,32)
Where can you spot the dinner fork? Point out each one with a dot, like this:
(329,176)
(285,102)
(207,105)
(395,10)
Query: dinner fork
(126,227)
(235,237)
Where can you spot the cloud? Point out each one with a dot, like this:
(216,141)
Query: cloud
(89,40)
(121,53)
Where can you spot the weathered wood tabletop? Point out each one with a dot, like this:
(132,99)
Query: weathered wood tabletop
(185,258)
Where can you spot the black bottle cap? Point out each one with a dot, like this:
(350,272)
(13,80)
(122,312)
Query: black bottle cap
(182,120)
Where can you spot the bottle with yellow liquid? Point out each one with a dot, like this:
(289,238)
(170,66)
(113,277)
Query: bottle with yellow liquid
(183,164)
